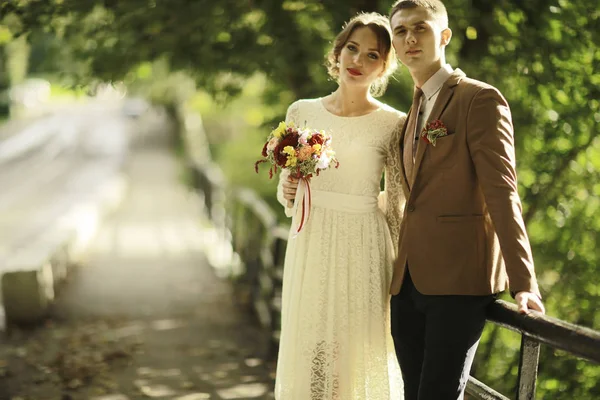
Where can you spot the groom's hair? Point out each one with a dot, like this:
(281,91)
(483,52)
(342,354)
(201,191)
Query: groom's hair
(435,7)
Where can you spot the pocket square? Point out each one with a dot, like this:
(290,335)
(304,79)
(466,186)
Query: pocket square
(434,130)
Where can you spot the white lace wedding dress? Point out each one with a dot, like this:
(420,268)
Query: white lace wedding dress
(335,339)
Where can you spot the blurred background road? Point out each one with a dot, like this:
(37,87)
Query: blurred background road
(142,314)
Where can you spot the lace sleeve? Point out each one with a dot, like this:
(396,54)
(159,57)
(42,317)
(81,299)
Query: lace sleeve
(392,199)
(292,113)
(291,116)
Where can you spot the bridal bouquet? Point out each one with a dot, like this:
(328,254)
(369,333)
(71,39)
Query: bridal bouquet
(304,152)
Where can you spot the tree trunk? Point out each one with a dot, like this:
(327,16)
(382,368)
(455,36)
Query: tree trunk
(4,84)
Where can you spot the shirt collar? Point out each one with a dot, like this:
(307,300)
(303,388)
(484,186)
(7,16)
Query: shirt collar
(434,84)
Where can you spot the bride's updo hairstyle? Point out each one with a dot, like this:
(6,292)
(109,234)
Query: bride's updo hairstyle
(380,25)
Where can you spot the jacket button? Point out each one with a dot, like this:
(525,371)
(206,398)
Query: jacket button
(411,208)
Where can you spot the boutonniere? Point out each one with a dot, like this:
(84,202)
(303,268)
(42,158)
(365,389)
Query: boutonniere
(434,130)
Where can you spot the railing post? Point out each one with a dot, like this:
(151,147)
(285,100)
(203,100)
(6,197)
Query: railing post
(528,368)
(280,235)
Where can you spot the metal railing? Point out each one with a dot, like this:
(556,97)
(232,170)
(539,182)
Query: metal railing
(260,242)
(536,329)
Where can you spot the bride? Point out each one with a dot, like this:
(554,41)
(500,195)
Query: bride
(335,339)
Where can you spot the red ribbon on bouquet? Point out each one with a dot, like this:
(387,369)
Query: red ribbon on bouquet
(302,205)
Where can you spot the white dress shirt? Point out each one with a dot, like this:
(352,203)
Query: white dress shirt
(431,89)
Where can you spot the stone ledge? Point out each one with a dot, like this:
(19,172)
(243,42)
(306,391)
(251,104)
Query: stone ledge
(32,275)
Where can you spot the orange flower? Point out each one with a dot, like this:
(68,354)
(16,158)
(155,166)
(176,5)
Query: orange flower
(305,153)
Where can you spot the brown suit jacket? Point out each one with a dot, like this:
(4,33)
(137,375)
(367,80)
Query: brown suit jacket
(463,232)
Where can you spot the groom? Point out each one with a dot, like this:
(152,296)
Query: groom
(463,238)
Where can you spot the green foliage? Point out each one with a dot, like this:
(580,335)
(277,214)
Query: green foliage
(17,54)
(543,56)
(157,83)
(235,132)
(257,57)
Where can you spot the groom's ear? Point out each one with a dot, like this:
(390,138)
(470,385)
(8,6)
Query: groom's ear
(446,36)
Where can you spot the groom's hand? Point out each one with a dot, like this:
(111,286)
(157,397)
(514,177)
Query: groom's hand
(529,301)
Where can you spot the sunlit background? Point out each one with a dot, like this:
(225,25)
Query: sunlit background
(104,105)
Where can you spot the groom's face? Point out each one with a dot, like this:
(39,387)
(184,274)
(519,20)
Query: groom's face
(419,39)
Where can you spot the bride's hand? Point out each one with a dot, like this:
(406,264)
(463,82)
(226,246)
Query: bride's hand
(290,186)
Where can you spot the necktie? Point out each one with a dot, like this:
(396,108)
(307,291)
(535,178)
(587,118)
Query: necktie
(410,145)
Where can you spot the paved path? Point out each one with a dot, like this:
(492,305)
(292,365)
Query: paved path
(145,316)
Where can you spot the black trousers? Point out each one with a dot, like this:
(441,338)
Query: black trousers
(436,338)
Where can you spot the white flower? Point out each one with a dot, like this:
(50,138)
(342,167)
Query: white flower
(303,139)
(272,144)
(324,161)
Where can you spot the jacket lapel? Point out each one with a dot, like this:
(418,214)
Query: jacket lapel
(441,102)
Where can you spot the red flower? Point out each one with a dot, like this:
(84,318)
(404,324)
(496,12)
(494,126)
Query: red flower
(289,140)
(434,130)
(264,150)
(436,124)
(317,138)
(280,158)
(256,164)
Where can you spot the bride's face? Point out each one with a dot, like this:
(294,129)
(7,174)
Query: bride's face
(360,60)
